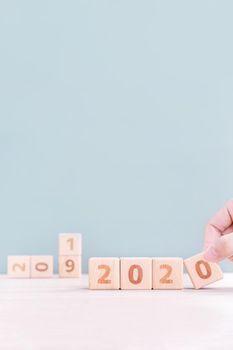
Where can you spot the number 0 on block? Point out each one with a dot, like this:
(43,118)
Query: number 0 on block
(202,272)
(41,266)
(136,273)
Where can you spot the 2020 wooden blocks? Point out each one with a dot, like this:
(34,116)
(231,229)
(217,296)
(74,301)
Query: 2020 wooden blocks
(150,273)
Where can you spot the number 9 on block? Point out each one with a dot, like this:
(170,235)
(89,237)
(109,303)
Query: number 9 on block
(70,266)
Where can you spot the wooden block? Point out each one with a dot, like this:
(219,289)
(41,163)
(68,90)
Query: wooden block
(136,273)
(202,272)
(168,273)
(104,273)
(41,266)
(70,244)
(18,266)
(70,266)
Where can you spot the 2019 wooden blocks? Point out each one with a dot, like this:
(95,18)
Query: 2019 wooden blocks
(70,261)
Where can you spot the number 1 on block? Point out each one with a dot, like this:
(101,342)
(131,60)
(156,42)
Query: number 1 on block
(104,273)
(70,244)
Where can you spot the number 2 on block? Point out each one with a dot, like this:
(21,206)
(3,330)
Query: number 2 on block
(165,279)
(21,267)
(103,279)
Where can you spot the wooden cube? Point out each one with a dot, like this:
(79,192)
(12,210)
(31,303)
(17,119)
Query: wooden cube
(136,273)
(18,266)
(104,273)
(70,244)
(70,266)
(168,273)
(202,272)
(41,266)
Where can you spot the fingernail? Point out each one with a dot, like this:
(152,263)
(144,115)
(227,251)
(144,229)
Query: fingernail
(211,255)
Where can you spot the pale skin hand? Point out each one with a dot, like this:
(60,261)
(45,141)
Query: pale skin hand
(218,243)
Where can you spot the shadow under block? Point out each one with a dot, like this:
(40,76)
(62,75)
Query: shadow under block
(42,266)
(202,272)
(136,273)
(70,244)
(18,266)
(168,273)
(70,266)
(104,273)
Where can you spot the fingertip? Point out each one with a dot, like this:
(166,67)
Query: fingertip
(211,255)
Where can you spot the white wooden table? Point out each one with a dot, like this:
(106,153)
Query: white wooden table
(63,314)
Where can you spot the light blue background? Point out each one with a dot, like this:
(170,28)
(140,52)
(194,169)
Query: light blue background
(117,122)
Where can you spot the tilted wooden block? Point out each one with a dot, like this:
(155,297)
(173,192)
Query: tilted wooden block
(41,266)
(104,273)
(70,244)
(136,273)
(202,272)
(18,266)
(168,273)
(70,266)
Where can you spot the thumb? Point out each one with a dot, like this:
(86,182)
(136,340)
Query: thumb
(222,248)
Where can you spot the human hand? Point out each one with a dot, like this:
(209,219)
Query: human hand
(218,243)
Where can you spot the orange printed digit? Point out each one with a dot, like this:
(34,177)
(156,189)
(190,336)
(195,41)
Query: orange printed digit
(70,265)
(70,241)
(103,279)
(139,272)
(205,272)
(41,267)
(165,279)
(21,267)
